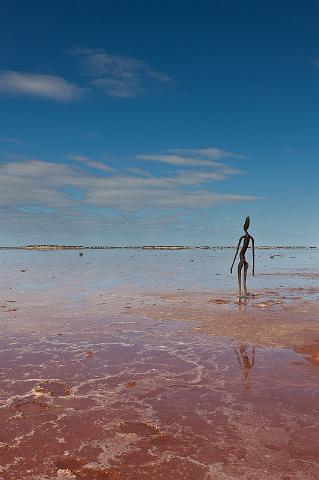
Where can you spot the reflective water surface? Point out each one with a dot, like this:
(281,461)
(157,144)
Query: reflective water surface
(138,367)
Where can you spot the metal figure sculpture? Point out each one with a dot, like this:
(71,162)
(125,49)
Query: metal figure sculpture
(243,263)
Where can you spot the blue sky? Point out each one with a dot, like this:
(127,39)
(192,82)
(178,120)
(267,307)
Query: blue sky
(159,122)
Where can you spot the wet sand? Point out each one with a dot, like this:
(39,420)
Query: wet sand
(132,384)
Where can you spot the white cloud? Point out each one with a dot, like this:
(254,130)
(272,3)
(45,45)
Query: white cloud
(193,178)
(50,87)
(208,170)
(119,76)
(212,153)
(121,193)
(114,75)
(35,183)
(179,160)
(139,172)
(89,162)
(100,166)
(32,182)
(202,157)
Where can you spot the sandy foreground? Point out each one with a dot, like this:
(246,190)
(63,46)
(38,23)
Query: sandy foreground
(125,384)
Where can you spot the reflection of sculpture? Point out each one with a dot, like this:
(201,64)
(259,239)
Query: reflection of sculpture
(245,363)
(246,238)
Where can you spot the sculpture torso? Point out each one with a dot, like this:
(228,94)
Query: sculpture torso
(243,251)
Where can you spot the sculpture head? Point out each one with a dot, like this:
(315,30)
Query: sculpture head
(246,224)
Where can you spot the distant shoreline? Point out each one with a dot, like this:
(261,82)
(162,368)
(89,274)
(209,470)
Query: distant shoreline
(154,247)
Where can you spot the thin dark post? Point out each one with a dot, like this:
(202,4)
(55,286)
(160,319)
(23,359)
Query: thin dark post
(243,263)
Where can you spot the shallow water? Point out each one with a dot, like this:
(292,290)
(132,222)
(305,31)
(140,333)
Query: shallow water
(94,385)
(149,270)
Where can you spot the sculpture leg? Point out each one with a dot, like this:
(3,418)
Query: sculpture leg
(245,278)
(240,266)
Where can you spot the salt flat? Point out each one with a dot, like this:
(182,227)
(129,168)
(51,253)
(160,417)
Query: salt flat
(139,364)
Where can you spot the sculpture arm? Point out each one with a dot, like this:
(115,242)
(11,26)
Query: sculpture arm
(253,249)
(239,242)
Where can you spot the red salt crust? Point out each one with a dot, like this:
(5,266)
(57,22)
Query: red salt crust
(199,407)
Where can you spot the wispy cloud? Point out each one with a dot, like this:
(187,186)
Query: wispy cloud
(119,76)
(32,182)
(79,158)
(179,160)
(194,178)
(38,184)
(100,166)
(49,87)
(125,192)
(212,153)
(183,157)
(90,162)
(10,140)
(114,75)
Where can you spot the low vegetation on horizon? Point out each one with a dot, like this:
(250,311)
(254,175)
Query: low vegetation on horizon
(151,247)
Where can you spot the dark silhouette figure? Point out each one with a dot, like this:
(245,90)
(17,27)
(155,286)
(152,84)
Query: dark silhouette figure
(245,364)
(242,263)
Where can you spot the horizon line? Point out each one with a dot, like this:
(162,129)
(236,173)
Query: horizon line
(147,247)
